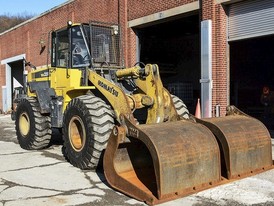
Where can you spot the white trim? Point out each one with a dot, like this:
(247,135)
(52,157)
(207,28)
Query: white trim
(8,97)
(4,100)
(226,1)
(13,59)
(165,14)
(138,49)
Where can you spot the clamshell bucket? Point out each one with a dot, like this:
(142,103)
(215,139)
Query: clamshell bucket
(155,163)
(245,143)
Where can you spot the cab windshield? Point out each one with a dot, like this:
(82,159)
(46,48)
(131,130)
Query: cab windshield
(79,49)
(70,47)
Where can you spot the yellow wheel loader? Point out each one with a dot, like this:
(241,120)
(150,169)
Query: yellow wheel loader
(152,148)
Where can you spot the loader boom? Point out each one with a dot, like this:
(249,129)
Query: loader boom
(152,94)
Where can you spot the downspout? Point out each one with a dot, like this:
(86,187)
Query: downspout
(206,65)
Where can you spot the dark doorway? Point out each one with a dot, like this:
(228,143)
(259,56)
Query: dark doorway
(17,70)
(175,47)
(251,69)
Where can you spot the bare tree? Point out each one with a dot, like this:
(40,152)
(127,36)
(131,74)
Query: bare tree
(8,21)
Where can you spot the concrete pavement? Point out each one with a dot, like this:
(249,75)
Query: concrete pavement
(44,178)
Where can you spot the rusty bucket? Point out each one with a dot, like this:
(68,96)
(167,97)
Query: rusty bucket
(159,162)
(245,143)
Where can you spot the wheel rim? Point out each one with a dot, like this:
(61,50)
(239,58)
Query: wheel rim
(24,124)
(77,133)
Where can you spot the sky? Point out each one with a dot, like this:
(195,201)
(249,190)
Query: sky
(29,7)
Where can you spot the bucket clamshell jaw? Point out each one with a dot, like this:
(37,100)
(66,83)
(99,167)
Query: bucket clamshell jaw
(156,163)
(244,142)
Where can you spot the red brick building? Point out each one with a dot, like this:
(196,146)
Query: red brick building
(217,50)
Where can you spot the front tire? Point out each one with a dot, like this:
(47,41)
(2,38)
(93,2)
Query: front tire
(33,129)
(88,122)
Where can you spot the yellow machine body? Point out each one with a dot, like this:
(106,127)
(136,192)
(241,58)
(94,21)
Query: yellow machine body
(68,86)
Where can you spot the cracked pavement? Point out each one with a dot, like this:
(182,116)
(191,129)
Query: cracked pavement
(44,178)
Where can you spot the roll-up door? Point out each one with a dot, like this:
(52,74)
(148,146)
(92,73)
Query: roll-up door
(250,18)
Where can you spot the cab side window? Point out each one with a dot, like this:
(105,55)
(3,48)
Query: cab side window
(60,49)
(62,53)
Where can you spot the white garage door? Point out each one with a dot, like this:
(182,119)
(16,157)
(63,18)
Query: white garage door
(250,18)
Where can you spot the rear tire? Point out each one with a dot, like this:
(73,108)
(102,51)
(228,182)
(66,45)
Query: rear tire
(33,129)
(180,106)
(88,122)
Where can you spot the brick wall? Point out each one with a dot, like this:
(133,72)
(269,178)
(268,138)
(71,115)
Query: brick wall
(222,74)
(2,76)
(25,39)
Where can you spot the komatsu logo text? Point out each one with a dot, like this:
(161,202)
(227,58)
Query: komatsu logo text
(108,88)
